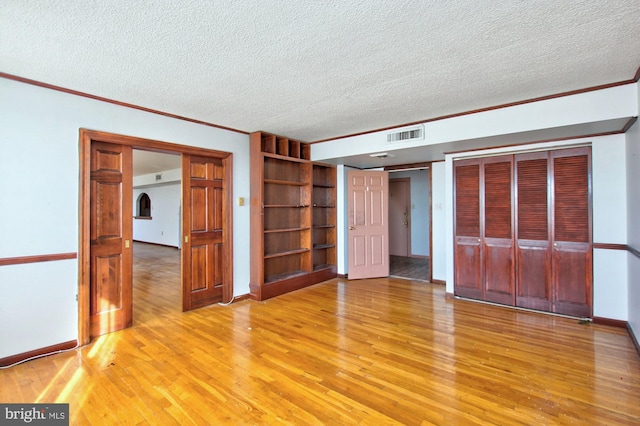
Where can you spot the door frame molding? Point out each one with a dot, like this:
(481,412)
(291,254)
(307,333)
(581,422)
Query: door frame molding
(88,136)
(428,167)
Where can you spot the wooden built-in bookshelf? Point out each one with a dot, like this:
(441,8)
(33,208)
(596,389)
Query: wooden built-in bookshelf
(292,217)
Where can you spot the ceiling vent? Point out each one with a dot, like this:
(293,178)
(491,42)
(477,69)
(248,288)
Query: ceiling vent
(405,135)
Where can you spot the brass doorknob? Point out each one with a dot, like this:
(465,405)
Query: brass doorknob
(352,228)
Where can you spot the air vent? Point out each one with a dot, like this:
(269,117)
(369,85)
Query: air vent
(412,134)
(158,177)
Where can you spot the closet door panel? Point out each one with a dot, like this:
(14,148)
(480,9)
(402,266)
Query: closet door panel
(572,279)
(533,254)
(499,271)
(572,245)
(533,280)
(468,272)
(467,252)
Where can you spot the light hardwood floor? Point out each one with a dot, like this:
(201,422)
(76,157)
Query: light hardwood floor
(381,351)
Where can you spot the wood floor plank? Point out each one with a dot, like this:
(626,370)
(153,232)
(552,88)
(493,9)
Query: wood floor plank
(380,351)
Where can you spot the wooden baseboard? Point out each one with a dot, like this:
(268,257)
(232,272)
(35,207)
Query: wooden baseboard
(449,296)
(342,276)
(241,297)
(438,282)
(634,338)
(609,321)
(49,350)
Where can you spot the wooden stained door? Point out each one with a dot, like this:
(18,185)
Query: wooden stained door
(368,224)
(110,252)
(572,238)
(399,225)
(533,243)
(543,201)
(203,249)
(498,250)
(468,237)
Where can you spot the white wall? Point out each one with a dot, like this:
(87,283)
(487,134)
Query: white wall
(552,115)
(633,226)
(419,209)
(610,290)
(164,227)
(439,221)
(609,218)
(39,131)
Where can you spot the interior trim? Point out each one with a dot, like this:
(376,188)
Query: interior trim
(630,123)
(37,258)
(609,321)
(515,145)
(241,297)
(607,246)
(423,165)
(633,337)
(491,108)
(633,251)
(114,102)
(48,350)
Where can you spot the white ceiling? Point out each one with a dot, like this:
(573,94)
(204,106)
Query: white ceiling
(319,69)
(147,162)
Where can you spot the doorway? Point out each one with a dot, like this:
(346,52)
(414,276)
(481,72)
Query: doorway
(106,210)
(410,223)
(157,188)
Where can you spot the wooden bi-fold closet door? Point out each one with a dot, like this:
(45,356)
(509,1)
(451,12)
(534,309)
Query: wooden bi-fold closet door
(484,247)
(523,230)
(572,246)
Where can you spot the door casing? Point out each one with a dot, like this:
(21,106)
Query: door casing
(86,138)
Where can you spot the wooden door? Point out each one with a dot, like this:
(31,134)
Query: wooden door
(110,252)
(368,224)
(203,250)
(533,244)
(572,237)
(468,237)
(399,208)
(498,250)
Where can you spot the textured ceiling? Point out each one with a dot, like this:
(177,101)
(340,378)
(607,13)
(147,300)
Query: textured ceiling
(319,69)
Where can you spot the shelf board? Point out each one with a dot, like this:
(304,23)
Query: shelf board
(286,253)
(320,185)
(269,231)
(323,226)
(289,206)
(323,246)
(285,182)
(284,157)
(323,206)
